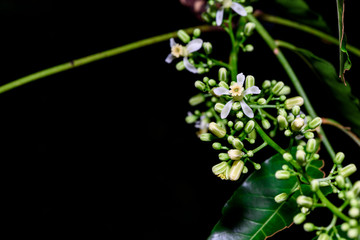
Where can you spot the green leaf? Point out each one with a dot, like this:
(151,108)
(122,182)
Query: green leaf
(345,63)
(346,103)
(252,213)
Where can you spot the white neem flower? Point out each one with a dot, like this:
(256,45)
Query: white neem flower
(237,7)
(178,50)
(238,93)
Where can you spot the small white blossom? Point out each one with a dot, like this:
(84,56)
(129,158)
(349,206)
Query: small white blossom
(178,50)
(238,93)
(226,4)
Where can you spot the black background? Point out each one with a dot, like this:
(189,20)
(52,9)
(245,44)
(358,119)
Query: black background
(103,150)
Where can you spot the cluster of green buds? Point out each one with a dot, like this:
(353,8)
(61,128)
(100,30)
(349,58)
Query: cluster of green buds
(314,190)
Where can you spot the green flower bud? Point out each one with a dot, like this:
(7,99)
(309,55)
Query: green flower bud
(283,123)
(249,28)
(235,170)
(290,118)
(297,124)
(277,88)
(207,47)
(197,32)
(216,146)
(245,170)
(345,226)
(183,36)
(353,233)
(239,114)
(236,106)
(356,188)
(206,137)
(339,158)
(252,136)
(309,227)
(237,143)
(294,101)
(311,145)
(348,170)
(286,90)
(200,85)
(340,181)
(180,66)
(249,9)
(239,125)
(217,130)
(309,135)
(191,119)
(282,175)
(304,201)
(323,236)
(249,81)
(230,139)
(295,110)
(299,218)
(353,223)
(235,154)
(314,185)
(282,197)
(223,74)
(223,84)
(250,153)
(197,99)
(257,166)
(287,133)
(219,107)
(249,126)
(315,123)
(301,157)
(287,157)
(282,112)
(248,48)
(230,124)
(266,84)
(212,82)
(354,212)
(224,156)
(265,124)
(261,101)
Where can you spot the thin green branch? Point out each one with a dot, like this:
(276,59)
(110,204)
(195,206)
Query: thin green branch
(96,57)
(304,28)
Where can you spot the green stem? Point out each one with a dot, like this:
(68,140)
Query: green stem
(331,206)
(305,28)
(295,81)
(95,57)
(268,140)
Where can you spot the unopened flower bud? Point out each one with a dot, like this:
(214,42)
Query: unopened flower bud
(250,153)
(249,81)
(282,174)
(235,170)
(348,170)
(287,157)
(295,110)
(315,123)
(282,112)
(216,145)
(180,66)
(282,197)
(314,185)
(235,154)
(340,181)
(297,124)
(339,158)
(183,36)
(249,28)
(299,218)
(294,101)
(223,157)
(239,125)
(354,212)
(239,114)
(237,143)
(277,88)
(197,99)
(212,82)
(286,90)
(265,124)
(219,107)
(309,135)
(248,48)
(301,157)
(223,74)
(197,32)
(266,84)
(353,233)
(311,145)
(304,201)
(236,106)
(356,188)
(207,47)
(249,126)
(206,137)
(191,119)
(217,130)
(200,85)
(323,236)
(283,123)
(309,227)
(223,84)
(261,101)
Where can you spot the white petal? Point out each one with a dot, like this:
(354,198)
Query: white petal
(189,66)
(252,90)
(172,42)
(240,79)
(219,16)
(221,91)
(226,110)
(238,8)
(246,109)
(169,58)
(194,45)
